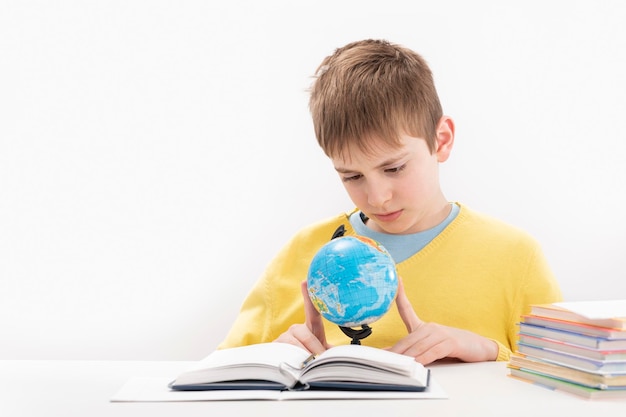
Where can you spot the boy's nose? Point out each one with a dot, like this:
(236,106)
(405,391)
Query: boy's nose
(378,194)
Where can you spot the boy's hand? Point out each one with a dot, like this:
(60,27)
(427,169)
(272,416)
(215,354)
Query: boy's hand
(428,342)
(310,335)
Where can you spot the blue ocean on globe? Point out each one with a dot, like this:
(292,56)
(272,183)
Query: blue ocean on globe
(352,281)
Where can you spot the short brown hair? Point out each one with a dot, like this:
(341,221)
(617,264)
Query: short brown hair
(373,88)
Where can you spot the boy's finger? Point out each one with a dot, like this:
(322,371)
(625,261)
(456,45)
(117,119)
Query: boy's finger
(405,309)
(313,318)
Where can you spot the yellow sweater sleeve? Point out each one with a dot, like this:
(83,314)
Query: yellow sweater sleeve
(275,302)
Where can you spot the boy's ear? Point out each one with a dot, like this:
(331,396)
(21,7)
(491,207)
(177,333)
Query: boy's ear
(445,138)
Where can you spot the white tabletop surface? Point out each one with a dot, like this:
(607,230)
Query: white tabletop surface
(84,388)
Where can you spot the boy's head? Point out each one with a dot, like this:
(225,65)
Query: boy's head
(373,89)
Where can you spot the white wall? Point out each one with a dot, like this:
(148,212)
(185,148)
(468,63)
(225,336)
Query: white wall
(154,155)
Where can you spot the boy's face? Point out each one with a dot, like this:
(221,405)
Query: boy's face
(396,187)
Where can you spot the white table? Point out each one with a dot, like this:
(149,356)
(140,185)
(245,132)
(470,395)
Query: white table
(84,388)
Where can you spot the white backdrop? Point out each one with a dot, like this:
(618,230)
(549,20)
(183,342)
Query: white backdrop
(154,155)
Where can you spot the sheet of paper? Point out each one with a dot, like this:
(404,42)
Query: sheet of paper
(140,389)
(597,309)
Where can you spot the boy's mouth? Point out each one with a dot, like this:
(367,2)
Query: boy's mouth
(388,217)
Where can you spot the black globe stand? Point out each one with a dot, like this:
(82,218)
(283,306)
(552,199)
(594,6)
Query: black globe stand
(357,334)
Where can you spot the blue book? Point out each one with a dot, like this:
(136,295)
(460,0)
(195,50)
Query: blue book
(580,339)
(573,361)
(570,326)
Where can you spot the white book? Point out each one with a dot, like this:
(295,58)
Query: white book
(281,366)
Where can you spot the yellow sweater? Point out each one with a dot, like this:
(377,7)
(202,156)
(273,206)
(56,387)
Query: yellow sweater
(478,274)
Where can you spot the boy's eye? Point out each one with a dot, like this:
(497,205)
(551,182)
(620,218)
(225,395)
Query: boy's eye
(395,170)
(352,177)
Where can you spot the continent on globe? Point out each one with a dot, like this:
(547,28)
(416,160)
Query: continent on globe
(352,281)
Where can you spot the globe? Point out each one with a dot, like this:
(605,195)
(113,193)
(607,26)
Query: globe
(352,281)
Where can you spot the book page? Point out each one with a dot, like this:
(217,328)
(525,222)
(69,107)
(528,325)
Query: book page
(368,356)
(275,362)
(605,309)
(269,354)
(351,365)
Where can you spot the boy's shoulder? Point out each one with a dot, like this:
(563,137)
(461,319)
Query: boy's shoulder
(323,229)
(308,239)
(485,226)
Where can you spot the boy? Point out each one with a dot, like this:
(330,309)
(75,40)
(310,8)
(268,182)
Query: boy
(465,278)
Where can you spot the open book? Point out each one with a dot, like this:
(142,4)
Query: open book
(281,366)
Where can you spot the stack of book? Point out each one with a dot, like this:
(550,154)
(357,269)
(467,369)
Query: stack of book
(578,347)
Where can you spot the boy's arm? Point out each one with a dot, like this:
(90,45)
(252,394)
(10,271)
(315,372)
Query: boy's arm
(275,302)
(539,286)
